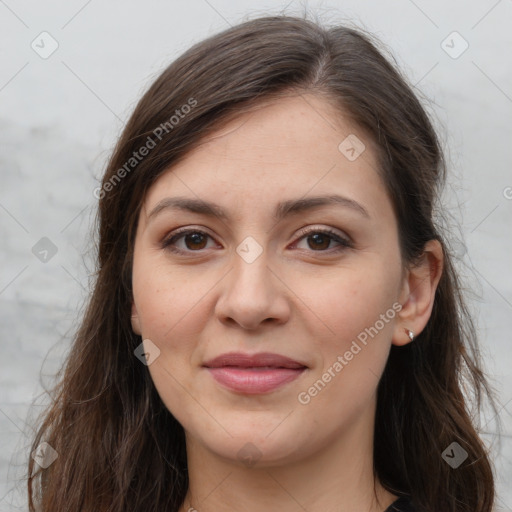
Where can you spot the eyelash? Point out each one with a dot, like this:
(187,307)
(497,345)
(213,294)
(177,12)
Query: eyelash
(345,243)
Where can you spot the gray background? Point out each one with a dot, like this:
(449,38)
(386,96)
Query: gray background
(60,116)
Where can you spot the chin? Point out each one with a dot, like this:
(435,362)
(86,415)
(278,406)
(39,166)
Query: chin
(254,446)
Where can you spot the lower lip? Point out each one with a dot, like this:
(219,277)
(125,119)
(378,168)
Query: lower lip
(254,380)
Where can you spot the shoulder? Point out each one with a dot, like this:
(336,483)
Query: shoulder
(402,504)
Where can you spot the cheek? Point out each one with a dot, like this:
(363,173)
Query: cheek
(173,309)
(348,301)
(166,299)
(356,309)
(171,315)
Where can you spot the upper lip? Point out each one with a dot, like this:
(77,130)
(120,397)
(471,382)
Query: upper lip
(239,359)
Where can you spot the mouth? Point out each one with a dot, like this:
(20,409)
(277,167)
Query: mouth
(254,374)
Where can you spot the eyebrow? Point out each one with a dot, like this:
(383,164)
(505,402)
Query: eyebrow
(282,210)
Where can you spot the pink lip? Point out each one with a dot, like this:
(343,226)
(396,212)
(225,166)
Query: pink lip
(254,374)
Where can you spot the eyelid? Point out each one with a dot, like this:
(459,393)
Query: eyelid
(327,230)
(187,229)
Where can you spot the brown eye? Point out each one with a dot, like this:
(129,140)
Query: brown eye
(319,240)
(193,240)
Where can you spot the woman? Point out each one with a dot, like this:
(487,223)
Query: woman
(276,322)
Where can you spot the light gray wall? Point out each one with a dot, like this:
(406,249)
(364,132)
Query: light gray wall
(59,118)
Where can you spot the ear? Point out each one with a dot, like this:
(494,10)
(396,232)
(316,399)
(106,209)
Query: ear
(135,320)
(418,293)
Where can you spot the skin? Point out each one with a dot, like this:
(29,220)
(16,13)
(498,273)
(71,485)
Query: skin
(300,298)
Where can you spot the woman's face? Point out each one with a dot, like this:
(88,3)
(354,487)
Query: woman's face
(316,282)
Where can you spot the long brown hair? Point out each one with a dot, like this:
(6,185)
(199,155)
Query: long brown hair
(119,447)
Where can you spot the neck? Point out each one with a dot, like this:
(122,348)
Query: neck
(338,478)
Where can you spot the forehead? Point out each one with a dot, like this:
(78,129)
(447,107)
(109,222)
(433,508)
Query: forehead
(287,148)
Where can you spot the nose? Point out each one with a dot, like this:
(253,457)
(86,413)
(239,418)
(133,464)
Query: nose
(252,294)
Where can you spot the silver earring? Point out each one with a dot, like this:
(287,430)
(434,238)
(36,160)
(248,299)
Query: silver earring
(409,333)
